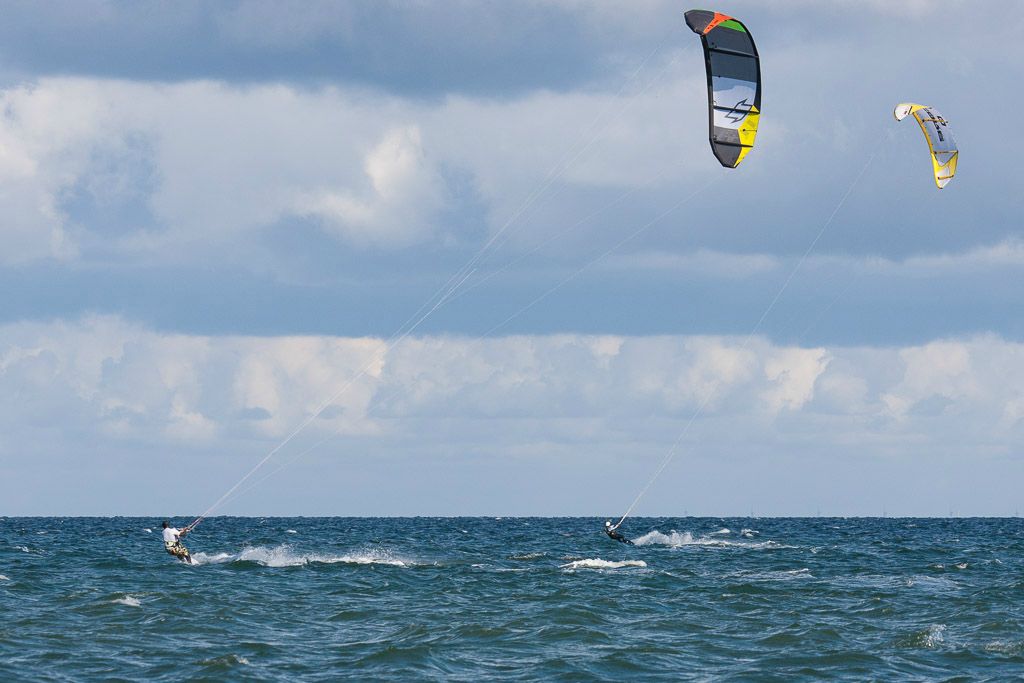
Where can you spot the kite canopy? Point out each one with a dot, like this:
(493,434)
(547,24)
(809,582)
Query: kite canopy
(734,83)
(940,139)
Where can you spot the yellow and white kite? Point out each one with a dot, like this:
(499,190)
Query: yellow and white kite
(940,139)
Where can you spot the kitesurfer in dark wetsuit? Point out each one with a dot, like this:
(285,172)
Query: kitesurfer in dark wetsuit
(615,535)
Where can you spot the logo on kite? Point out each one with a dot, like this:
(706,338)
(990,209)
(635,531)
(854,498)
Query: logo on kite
(738,111)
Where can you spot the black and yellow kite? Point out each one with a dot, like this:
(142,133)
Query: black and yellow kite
(734,83)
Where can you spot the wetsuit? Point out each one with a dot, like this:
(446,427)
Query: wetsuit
(616,536)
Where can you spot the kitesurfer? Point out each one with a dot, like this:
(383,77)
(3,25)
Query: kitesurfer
(610,529)
(172,542)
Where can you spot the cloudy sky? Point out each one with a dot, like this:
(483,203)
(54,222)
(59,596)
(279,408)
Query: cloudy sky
(218,222)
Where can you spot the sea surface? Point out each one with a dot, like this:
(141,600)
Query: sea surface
(469,599)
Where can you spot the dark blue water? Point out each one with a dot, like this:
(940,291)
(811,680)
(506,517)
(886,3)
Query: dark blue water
(513,599)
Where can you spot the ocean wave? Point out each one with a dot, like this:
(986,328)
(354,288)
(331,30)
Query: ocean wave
(721,532)
(284,556)
(677,539)
(226,660)
(129,600)
(780,575)
(499,570)
(931,583)
(597,563)
(527,556)
(4,578)
(930,638)
(942,567)
(1013,647)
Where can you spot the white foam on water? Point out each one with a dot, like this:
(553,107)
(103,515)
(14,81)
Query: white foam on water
(749,533)
(4,578)
(931,582)
(673,538)
(129,600)
(281,556)
(374,557)
(934,635)
(677,539)
(781,575)
(229,660)
(797,572)
(527,556)
(499,570)
(961,565)
(284,556)
(1013,647)
(722,532)
(597,563)
(290,531)
(148,531)
(929,638)
(216,558)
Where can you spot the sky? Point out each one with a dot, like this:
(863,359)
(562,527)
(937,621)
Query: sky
(223,227)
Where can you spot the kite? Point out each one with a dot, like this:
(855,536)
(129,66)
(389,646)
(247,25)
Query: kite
(734,83)
(940,139)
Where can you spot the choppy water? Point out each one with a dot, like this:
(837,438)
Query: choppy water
(513,599)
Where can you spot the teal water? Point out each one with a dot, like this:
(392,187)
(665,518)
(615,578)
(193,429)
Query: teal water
(513,599)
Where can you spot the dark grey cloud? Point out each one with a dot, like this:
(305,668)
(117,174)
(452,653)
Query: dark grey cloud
(414,48)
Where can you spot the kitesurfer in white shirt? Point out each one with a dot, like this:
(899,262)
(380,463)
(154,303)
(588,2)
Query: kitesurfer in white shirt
(172,542)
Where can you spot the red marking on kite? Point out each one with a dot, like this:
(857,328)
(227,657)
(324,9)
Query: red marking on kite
(719,18)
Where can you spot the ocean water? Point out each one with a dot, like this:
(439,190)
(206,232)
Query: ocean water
(470,599)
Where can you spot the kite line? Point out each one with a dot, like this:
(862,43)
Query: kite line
(757,326)
(454,283)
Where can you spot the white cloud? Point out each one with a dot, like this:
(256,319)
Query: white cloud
(456,412)
(229,161)
(702,262)
(404,196)
(46,136)
(793,373)
(1008,253)
(940,370)
(117,380)
(706,263)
